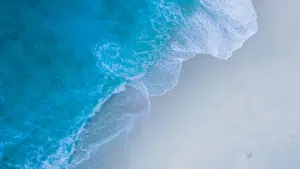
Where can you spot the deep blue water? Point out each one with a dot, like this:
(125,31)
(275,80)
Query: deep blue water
(75,74)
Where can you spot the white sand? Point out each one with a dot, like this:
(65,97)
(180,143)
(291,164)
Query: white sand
(243,113)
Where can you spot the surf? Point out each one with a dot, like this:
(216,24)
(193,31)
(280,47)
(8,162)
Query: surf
(75,75)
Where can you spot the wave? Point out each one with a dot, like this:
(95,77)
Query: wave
(139,51)
(215,28)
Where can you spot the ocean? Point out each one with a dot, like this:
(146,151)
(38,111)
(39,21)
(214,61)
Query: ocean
(76,74)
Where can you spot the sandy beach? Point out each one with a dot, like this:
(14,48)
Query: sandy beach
(243,113)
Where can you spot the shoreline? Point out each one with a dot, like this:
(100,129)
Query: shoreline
(176,64)
(239,113)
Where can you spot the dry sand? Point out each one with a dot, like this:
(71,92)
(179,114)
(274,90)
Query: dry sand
(243,113)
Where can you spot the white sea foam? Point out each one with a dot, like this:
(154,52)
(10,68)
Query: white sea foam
(218,30)
(60,159)
(117,115)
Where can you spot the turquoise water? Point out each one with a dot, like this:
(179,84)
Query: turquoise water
(76,74)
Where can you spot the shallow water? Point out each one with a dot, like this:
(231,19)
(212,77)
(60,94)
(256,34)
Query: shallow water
(76,74)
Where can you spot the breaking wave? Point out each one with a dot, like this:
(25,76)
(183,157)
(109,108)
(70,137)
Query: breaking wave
(75,75)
